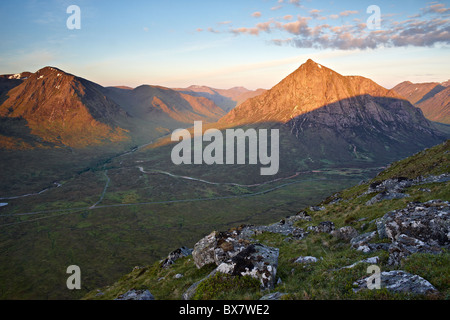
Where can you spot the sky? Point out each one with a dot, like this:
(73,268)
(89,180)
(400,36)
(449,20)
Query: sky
(226,43)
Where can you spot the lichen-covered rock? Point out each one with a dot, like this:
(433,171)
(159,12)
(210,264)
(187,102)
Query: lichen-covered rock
(218,247)
(203,252)
(362,239)
(427,222)
(136,295)
(399,281)
(405,246)
(257,261)
(386,195)
(175,255)
(420,227)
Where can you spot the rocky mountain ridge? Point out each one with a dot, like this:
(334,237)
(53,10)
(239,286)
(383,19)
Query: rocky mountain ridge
(227,99)
(433,98)
(63,110)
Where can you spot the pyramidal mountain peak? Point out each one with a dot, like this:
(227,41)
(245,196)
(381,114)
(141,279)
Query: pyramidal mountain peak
(335,116)
(308,88)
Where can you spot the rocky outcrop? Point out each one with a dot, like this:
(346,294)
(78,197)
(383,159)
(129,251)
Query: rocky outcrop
(218,247)
(399,281)
(394,188)
(420,227)
(256,260)
(175,255)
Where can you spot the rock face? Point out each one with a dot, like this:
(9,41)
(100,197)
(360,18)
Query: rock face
(203,253)
(400,282)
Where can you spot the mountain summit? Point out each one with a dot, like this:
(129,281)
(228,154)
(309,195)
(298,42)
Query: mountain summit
(63,109)
(341,118)
(310,87)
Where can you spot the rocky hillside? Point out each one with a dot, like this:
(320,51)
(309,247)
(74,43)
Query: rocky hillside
(339,119)
(63,110)
(52,108)
(398,222)
(163,104)
(432,98)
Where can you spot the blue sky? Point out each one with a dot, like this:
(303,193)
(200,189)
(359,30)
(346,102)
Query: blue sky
(251,43)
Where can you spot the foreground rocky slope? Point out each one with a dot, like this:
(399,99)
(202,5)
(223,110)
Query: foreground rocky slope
(399,222)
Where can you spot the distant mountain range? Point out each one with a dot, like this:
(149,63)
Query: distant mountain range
(328,117)
(432,98)
(52,108)
(227,99)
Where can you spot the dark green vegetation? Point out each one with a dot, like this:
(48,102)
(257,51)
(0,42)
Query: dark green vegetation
(324,279)
(141,217)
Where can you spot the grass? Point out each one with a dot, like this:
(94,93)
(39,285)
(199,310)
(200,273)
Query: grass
(108,242)
(326,279)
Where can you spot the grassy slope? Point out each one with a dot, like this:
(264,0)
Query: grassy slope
(319,281)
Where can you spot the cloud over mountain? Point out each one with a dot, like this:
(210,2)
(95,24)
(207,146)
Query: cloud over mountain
(311,32)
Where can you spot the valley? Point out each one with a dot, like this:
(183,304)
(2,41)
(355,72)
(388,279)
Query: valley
(116,216)
(88,178)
